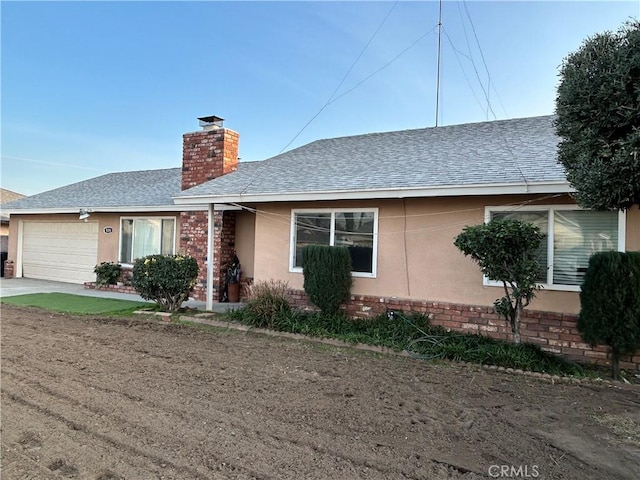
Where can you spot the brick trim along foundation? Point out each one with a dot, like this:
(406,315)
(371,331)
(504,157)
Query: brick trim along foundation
(553,332)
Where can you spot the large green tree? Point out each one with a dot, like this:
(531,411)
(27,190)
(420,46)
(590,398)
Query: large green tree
(598,119)
(506,251)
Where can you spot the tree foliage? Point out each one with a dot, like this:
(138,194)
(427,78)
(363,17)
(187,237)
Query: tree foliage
(166,279)
(327,276)
(610,304)
(506,251)
(598,119)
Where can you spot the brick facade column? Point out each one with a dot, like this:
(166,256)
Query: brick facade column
(193,242)
(206,155)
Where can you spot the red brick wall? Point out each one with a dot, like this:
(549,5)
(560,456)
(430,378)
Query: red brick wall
(193,242)
(226,247)
(553,332)
(207,155)
(9,269)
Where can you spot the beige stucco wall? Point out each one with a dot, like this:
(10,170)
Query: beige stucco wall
(633,230)
(416,256)
(108,243)
(245,245)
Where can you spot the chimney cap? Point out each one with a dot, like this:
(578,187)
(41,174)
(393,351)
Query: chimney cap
(211,122)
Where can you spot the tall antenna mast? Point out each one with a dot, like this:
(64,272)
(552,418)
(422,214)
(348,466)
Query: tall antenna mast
(438,68)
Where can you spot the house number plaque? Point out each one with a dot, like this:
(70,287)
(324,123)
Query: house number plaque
(108,229)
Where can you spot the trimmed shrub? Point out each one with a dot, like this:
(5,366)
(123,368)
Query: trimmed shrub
(267,301)
(610,304)
(166,279)
(327,276)
(506,251)
(414,333)
(107,273)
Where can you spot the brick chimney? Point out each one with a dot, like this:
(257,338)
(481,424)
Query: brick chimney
(209,153)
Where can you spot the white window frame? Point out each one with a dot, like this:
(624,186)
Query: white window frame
(333,211)
(551,209)
(175,228)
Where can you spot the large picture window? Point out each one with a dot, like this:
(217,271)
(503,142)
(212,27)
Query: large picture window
(354,229)
(571,237)
(140,237)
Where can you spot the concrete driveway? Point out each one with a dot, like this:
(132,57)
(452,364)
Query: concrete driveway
(10,287)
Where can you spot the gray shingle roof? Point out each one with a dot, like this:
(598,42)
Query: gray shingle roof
(146,188)
(487,153)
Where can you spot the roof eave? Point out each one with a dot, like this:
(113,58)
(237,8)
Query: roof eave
(123,209)
(436,191)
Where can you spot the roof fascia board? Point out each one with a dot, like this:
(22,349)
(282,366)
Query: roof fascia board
(156,208)
(440,191)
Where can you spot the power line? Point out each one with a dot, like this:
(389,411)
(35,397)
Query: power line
(286,219)
(464,73)
(388,63)
(473,28)
(332,100)
(328,102)
(438,62)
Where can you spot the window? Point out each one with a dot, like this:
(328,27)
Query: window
(354,229)
(140,237)
(571,236)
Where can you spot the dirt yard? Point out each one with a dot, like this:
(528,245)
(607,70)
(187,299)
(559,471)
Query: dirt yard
(136,399)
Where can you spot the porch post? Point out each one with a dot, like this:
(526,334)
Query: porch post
(210,253)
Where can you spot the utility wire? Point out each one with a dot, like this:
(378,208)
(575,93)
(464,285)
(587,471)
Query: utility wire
(328,102)
(464,73)
(491,85)
(418,40)
(286,219)
(473,28)
(363,50)
(438,61)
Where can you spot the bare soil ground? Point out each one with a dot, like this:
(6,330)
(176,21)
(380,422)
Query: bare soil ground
(136,398)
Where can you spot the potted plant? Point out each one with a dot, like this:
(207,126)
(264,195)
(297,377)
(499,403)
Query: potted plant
(232,281)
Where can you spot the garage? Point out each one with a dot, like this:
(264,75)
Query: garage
(60,251)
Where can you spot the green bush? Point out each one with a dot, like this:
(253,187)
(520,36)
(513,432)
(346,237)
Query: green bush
(166,279)
(610,304)
(327,276)
(506,251)
(413,332)
(107,273)
(268,300)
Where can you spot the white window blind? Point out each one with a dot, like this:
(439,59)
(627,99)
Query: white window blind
(571,236)
(578,235)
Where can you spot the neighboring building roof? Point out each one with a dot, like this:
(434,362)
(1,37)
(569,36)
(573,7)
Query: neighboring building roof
(505,156)
(8,196)
(145,190)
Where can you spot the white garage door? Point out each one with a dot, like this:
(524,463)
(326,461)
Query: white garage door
(64,252)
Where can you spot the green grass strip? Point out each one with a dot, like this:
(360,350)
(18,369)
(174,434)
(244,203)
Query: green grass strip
(75,304)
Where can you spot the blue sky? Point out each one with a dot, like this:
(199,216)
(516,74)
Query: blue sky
(96,87)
